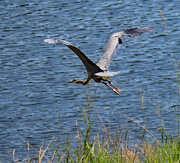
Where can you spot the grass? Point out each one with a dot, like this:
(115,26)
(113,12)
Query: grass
(107,147)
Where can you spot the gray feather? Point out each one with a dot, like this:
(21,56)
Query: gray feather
(107,73)
(115,43)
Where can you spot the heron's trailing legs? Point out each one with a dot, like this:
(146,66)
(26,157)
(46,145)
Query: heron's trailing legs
(116,90)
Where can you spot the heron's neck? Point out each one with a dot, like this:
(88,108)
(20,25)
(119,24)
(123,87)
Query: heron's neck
(80,82)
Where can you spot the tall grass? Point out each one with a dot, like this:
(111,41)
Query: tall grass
(177,71)
(107,147)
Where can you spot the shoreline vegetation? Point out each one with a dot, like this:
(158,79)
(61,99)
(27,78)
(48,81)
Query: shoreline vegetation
(106,147)
(110,147)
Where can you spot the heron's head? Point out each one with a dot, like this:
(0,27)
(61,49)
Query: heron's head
(75,81)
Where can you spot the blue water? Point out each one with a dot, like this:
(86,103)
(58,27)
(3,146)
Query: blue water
(34,75)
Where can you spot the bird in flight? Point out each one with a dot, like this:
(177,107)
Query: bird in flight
(98,71)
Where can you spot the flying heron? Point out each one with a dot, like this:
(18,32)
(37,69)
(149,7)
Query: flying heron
(98,71)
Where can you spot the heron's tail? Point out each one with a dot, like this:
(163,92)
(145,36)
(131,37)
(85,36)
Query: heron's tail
(107,73)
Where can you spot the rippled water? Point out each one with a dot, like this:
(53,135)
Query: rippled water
(34,75)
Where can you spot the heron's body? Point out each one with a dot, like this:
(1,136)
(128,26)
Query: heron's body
(98,71)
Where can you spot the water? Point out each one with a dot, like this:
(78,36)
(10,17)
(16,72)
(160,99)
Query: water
(34,75)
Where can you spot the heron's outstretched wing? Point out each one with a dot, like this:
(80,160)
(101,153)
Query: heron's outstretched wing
(90,66)
(115,43)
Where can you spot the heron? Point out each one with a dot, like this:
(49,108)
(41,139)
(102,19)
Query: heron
(99,72)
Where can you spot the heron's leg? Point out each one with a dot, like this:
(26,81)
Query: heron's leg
(107,85)
(116,90)
(112,84)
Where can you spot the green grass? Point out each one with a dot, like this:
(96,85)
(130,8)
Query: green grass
(106,147)
(110,147)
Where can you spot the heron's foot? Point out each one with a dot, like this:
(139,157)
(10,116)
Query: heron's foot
(117,91)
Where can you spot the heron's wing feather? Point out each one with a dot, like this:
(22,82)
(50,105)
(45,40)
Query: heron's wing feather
(115,43)
(112,47)
(137,31)
(107,73)
(90,66)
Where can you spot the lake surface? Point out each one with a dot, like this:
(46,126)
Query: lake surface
(34,75)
